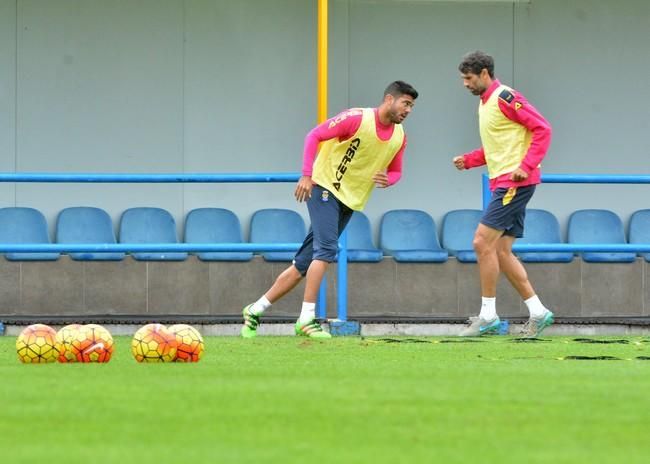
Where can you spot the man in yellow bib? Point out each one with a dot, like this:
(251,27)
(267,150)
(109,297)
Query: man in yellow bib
(515,138)
(359,149)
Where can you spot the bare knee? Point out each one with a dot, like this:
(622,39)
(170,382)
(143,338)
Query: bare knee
(504,253)
(504,248)
(291,274)
(481,245)
(486,240)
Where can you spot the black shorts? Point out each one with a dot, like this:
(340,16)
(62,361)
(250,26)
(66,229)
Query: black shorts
(329,216)
(507,210)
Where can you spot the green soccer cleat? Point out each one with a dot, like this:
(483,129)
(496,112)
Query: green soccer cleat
(534,327)
(311,329)
(251,323)
(478,326)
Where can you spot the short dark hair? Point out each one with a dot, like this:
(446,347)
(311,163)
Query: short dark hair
(475,62)
(399,88)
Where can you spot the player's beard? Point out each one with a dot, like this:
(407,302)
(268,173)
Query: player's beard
(480,90)
(395,116)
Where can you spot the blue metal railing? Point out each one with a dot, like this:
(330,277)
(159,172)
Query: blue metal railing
(178,247)
(62,177)
(142,247)
(578,179)
(214,247)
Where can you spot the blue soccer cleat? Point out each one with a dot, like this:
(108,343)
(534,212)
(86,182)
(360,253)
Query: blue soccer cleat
(478,326)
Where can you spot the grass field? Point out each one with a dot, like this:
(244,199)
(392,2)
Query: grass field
(350,400)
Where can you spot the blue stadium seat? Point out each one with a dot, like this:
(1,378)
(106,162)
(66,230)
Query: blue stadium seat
(360,246)
(150,225)
(85,224)
(458,229)
(24,225)
(410,236)
(640,229)
(542,226)
(277,226)
(215,225)
(598,226)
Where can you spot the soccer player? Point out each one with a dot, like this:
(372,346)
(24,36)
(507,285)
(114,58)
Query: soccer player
(362,148)
(515,138)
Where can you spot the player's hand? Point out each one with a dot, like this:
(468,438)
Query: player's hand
(459,162)
(303,189)
(380,179)
(518,175)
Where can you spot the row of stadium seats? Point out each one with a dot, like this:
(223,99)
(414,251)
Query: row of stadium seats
(406,235)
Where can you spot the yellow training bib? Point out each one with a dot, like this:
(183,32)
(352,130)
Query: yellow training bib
(505,142)
(346,168)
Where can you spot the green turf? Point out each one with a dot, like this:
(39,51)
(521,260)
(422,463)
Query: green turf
(349,400)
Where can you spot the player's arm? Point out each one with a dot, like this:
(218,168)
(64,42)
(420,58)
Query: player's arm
(470,160)
(394,170)
(341,126)
(517,109)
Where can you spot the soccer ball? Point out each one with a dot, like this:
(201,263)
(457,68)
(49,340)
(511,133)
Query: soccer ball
(92,343)
(37,344)
(154,343)
(64,336)
(190,343)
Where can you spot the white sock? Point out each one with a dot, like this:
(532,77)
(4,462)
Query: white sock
(488,308)
(535,307)
(307,313)
(260,306)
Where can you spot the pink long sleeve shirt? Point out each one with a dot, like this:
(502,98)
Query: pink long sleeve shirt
(344,126)
(518,110)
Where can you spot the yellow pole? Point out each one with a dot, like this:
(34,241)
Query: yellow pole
(322,114)
(322,60)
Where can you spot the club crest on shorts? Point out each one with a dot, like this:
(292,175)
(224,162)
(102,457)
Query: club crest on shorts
(325,196)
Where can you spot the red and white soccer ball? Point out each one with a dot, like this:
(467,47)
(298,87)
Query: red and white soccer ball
(92,343)
(65,336)
(190,346)
(154,343)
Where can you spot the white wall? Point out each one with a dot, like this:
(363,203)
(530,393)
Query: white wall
(100,89)
(7,95)
(585,64)
(221,86)
(249,97)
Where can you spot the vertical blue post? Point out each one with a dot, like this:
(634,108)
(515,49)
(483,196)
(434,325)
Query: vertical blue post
(342,285)
(341,326)
(485,182)
(321,307)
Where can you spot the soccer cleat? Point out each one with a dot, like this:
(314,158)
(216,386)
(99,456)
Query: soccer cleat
(478,326)
(311,329)
(534,327)
(251,323)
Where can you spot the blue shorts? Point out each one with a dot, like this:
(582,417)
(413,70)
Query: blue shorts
(328,219)
(507,210)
